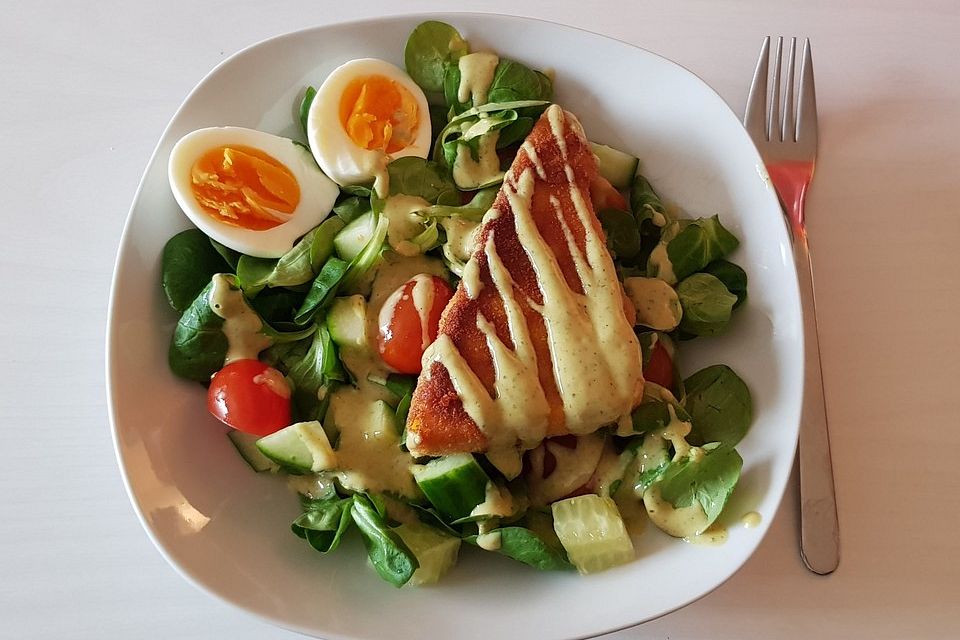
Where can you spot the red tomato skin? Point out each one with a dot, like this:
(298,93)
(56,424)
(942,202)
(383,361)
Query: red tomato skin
(400,339)
(659,369)
(606,196)
(250,396)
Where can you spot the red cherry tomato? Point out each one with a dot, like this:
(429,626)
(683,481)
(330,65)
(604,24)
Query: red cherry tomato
(250,396)
(409,321)
(659,369)
(606,196)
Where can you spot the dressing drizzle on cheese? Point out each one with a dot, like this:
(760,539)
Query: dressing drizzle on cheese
(594,352)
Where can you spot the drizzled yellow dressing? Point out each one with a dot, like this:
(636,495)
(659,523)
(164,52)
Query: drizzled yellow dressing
(241,324)
(476,75)
(593,349)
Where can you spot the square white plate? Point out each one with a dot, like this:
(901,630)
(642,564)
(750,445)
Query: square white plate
(226,529)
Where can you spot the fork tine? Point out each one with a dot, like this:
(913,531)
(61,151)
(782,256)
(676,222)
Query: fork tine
(807,112)
(773,115)
(754,116)
(788,131)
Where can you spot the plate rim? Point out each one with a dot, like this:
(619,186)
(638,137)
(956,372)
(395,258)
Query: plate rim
(111,334)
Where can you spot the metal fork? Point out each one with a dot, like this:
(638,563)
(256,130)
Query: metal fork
(788,146)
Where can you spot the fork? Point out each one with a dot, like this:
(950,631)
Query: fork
(788,145)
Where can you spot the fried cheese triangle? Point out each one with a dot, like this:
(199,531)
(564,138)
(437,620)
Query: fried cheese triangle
(538,339)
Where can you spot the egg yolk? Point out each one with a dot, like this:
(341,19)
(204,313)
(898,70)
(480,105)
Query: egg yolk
(378,113)
(244,187)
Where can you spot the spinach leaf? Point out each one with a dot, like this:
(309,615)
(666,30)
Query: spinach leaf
(361,190)
(391,558)
(653,456)
(480,203)
(652,415)
(527,547)
(430,47)
(697,244)
(422,178)
(350,208)
(515,132)
(645,203)
(513,81)
(706,304)
(451,91)
(469,126)
(623,234)
(322,247)
(438,120)
(323,290)
(293,268)
(719,405)
(232,257)
(304,111)
(313,373)
(648,341)
(401,385)
(708,481)
(732,276)
(279,337)
(198,347)
(277,305)
(188,263)
(323,521)
(430,516)
(654,410)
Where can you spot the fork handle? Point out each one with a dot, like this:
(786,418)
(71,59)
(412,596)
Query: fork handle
(819,528)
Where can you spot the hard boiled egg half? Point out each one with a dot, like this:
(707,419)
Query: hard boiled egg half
(365,114)
(249,190)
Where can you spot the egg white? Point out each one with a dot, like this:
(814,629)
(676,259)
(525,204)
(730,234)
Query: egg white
(317,192)
(338,156)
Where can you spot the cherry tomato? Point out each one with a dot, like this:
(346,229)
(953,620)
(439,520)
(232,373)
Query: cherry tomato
(659,369)
(409,321)
(605,195)
(250,396)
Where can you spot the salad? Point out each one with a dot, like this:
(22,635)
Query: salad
(322,296)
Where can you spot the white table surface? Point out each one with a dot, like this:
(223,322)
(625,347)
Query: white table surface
(86,91)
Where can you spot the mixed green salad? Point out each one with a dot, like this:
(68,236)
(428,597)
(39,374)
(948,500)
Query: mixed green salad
(310,351)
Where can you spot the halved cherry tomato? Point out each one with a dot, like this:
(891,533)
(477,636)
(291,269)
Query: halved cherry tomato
(659,369)
(605,196)
(409,321)
(250,396)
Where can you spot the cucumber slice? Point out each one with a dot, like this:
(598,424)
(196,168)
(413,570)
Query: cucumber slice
(300,448)
(347,321)
(383,422)
(614,165)
(453,484)
(354,237)
(436,551)
(246,445)
(592,531)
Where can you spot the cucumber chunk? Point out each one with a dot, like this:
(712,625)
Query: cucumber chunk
(300,448)
(246,445)
(614,165)
(347,321)
(436,551)
(383,423)
(453,484)
(592,531)
(354,237)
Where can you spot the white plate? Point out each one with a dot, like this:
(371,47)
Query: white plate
(227,529)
